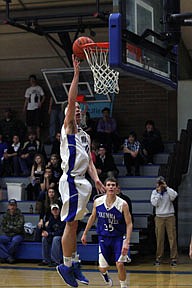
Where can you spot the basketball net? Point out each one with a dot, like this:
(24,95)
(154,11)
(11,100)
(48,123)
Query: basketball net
(105,78)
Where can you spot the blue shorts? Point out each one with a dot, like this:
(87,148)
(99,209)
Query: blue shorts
(110,248)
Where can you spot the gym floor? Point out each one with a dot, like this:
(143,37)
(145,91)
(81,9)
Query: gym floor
(140,273)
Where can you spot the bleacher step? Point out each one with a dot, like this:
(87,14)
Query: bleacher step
(138,194)
(142,207)
(5,180)
(145,170)
(160,158)
(137,181)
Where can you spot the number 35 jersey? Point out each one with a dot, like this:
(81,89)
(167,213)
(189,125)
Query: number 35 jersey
(111,222)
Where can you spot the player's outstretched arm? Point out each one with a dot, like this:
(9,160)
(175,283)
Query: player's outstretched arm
(94,175)
(73,91)
(90,223)
(129,227)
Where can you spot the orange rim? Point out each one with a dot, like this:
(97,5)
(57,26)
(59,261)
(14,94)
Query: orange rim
(92,46)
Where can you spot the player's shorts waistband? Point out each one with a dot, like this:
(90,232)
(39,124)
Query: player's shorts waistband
(79,177)
(76,176)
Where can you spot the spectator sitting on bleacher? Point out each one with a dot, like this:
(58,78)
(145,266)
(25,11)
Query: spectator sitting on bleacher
(105,164)
(48,181)
(43,207)
(151,142)
(11,166)
(51,238)
(29,149)
(131,149)
(13,232)
(55,165)
(37,177)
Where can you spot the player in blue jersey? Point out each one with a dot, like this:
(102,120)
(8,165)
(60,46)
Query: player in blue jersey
(114,229)
(74,188)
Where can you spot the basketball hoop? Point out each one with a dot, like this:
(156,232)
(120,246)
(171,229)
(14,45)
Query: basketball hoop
(105,78)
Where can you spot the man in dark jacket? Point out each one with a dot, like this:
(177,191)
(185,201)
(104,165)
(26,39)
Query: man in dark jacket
(51,238)
(27,154)
(11,166)
(105,164)
(151,142)
(13,228)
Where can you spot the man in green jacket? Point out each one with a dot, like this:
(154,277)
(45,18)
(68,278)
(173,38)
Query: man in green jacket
(13,232)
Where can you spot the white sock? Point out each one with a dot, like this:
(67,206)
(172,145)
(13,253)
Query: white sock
(67,261)
(75,257)
(123,284)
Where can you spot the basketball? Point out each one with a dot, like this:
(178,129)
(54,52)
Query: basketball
(77,46)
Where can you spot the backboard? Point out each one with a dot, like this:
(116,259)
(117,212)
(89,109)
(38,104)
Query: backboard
(144,46)
(59,81)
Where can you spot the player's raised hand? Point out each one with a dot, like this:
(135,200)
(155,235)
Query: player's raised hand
(76,63)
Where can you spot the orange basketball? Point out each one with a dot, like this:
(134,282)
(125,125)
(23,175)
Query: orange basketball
(77,46)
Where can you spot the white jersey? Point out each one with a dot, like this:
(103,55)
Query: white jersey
(74,188)
(34,94)
(75,152)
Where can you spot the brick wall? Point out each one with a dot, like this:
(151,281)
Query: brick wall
(12,96)
(138,101)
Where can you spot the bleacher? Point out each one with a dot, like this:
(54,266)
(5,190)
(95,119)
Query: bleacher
(138,188)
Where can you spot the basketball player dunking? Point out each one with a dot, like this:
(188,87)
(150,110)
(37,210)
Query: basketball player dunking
(74,188)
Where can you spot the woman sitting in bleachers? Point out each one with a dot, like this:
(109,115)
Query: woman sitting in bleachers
(55,165)
(37,177)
